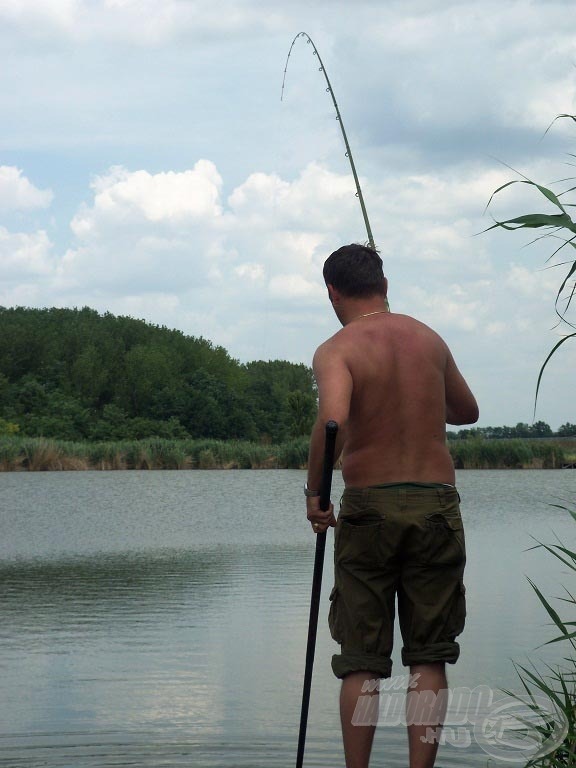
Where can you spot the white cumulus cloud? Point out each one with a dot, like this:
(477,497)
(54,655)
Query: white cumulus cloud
(122,196)
(456,307)
(18,193)
(27,268)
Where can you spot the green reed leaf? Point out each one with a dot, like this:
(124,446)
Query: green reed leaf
(551,612)
(554,348)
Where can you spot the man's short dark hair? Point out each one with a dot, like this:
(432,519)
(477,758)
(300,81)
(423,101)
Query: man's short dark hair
(356,271)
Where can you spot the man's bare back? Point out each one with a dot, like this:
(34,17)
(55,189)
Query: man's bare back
(404,388)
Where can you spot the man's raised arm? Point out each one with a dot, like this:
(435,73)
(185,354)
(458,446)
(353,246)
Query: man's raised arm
(461,405)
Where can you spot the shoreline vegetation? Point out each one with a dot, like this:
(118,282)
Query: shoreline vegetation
(19,453)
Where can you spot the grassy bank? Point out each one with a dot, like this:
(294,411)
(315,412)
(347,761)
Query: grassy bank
(511,454)
(38,454)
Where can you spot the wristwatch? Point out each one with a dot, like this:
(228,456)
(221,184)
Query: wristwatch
(308,492)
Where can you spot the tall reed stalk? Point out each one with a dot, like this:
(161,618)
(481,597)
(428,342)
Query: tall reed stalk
(559,226)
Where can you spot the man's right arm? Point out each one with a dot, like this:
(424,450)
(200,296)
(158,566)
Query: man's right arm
(461,405)
(335,386)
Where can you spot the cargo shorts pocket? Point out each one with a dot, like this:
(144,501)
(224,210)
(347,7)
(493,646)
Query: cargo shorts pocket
(458,613)
(334,622)
(444,538)
(358,539)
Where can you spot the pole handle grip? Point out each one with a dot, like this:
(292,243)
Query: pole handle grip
(329,448)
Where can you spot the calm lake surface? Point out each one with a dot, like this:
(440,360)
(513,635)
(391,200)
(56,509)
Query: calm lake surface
(159,618)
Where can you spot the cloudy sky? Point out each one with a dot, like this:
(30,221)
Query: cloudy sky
(148,167)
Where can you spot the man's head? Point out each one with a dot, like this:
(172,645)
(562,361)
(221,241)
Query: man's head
(355,271)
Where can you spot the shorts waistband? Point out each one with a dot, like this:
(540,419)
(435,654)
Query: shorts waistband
(444,492)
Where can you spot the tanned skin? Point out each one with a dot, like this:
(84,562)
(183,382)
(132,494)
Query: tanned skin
(392,385)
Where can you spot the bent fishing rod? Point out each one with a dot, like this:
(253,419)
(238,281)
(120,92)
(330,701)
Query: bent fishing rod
(330,90)
(348,152)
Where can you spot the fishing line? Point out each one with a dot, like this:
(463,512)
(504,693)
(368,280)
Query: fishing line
(268,333)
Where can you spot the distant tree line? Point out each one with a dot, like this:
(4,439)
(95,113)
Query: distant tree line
(538,429)
(74,374)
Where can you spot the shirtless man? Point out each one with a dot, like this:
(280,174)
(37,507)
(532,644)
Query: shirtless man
(391,384)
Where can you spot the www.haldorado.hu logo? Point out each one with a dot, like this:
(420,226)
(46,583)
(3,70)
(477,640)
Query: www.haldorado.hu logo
(511,728)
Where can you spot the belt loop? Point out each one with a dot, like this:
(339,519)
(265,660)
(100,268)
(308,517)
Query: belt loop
(442,496)
(402,496)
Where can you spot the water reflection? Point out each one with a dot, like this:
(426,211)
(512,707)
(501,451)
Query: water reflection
(139,588)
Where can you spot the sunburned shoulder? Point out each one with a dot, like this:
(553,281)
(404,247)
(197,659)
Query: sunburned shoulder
(408,321)
(331,351)
(327,348)
(410,324)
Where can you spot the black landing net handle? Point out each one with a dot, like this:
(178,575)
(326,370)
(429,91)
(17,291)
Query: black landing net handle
(325,488)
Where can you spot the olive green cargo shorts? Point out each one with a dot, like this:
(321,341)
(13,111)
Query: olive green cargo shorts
(405,541)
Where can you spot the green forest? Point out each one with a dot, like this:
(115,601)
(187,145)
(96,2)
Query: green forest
(77,375)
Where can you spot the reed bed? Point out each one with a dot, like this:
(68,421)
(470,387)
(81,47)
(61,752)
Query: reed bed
(507,454)
(43,454)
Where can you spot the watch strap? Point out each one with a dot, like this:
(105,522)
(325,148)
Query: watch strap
(308,492)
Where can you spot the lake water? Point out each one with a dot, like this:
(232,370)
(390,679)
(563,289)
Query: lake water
(159,618)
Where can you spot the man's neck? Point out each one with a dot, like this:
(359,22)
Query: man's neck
(357,310)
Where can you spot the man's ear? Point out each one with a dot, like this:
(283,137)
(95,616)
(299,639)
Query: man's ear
(333,294)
